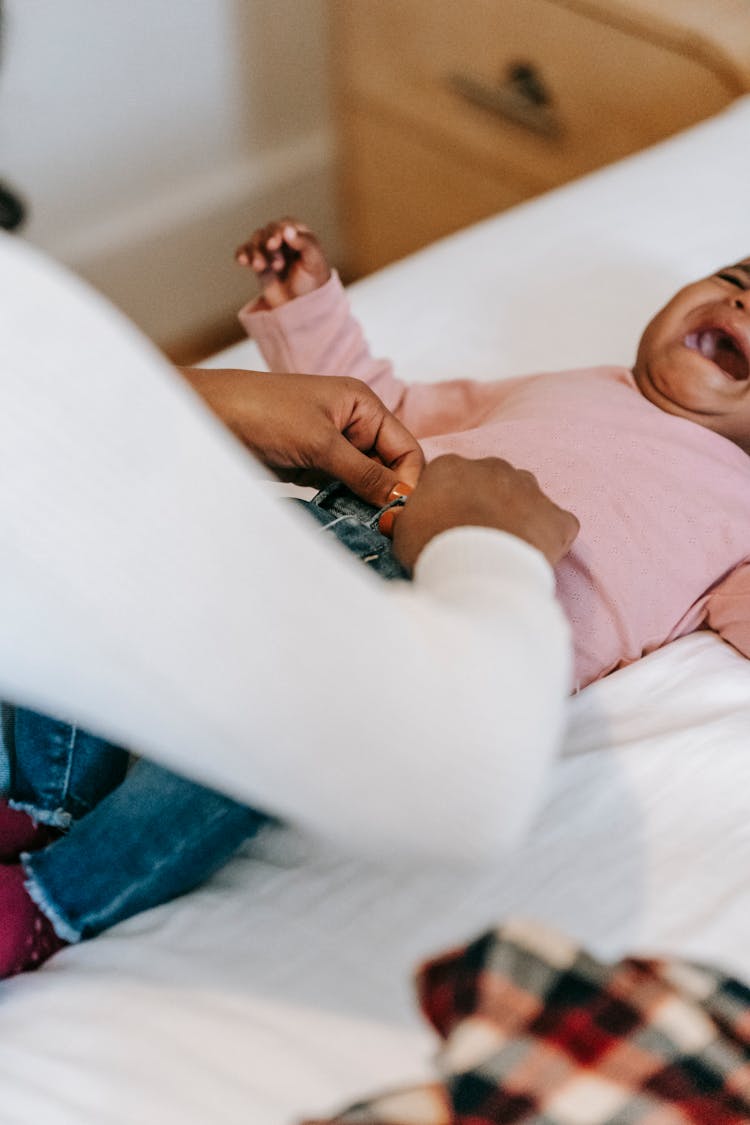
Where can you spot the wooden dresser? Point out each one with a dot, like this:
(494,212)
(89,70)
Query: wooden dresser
(451,110)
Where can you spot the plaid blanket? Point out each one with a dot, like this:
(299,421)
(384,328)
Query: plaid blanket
(539,1032)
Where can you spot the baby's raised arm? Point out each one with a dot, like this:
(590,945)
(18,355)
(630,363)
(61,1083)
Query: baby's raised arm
(302,323)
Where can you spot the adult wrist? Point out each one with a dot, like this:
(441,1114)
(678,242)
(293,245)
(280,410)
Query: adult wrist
(468,553)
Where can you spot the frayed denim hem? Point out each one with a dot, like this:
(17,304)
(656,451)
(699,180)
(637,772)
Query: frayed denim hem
(61,926)
(53,818)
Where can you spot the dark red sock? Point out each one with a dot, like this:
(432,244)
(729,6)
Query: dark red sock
(20,833)
(27,937)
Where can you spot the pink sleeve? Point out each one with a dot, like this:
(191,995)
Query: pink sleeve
(728,609)
(317,334)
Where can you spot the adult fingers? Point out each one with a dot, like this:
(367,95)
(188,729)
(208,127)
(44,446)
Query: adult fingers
(368,478)
(568,528)
(398,449)
(372,428)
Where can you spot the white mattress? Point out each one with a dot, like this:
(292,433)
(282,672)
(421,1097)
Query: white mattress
(282,988)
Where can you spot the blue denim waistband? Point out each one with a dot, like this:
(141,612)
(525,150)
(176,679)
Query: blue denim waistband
(354,523)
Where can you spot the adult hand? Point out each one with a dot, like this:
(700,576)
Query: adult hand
(455,492)
(298,422)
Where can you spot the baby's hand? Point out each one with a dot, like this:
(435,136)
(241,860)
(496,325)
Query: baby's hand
(287,259)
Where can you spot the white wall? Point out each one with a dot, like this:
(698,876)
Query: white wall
(149,136)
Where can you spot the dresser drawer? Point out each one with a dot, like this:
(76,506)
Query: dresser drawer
(611,89)
(403,193)
(449,112)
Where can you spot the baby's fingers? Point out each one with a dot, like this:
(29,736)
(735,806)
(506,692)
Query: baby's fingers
(308,250)
(244,254)
(287,259)
(260,252)
(296,235)
(281,235)
(251,254)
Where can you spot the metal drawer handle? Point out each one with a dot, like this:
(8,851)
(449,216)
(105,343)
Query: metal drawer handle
(521,98)
(12,209)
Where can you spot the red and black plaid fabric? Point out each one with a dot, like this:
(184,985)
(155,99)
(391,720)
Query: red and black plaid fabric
(538,1032)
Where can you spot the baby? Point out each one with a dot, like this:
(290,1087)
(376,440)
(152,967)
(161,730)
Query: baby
(653,462)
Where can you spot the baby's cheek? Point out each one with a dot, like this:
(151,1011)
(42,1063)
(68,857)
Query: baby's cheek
(646,346)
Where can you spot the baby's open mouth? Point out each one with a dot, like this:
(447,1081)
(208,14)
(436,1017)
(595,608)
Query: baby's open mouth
(721,349)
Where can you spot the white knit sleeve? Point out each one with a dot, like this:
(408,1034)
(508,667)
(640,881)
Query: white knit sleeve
(152,589)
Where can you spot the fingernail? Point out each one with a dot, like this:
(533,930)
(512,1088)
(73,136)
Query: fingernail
(387,520)
(399,490)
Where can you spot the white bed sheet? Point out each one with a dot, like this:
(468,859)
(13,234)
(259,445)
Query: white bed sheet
(282,988)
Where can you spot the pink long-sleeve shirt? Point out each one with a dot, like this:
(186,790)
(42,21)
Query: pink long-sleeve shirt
(663,503)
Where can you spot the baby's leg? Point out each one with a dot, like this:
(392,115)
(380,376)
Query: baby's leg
(153,838)
(58,772)
(132,844)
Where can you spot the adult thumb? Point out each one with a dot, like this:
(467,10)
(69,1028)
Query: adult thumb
(368,478)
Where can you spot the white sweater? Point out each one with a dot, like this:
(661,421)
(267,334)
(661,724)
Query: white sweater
(153,589)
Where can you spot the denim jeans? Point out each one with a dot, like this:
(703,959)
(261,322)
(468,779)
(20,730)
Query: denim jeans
(355,524)
(137,837)
(59,772)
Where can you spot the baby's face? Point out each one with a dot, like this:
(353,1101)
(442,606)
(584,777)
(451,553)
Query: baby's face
(694,357)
